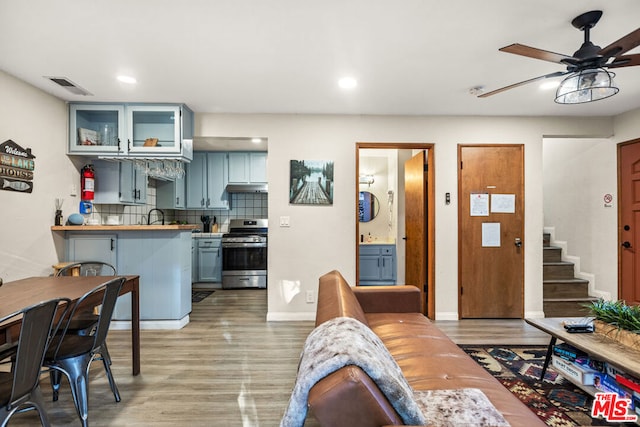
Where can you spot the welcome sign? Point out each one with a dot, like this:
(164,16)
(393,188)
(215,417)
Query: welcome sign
(16,167)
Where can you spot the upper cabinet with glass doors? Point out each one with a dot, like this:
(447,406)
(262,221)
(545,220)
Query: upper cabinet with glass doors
(96,129)
(131,130)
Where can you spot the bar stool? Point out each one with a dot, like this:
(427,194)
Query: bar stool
(75,271)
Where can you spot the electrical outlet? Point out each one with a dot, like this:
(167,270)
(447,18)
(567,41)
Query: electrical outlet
(310,297)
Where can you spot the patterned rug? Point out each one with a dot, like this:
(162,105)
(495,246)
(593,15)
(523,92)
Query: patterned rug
(197,296)
(555,400)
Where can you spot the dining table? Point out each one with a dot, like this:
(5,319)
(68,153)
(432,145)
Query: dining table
(18,294)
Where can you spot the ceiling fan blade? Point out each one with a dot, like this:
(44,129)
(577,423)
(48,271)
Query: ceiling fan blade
(625,61)
(522,83)
(532,52)
(622,45)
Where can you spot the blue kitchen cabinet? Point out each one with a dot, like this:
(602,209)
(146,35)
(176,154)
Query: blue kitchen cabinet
(171,194)
(124,130)
(248,167)
(209,259)
(207,181)
(119,183)
(83,247)
(377,264)
(96,129)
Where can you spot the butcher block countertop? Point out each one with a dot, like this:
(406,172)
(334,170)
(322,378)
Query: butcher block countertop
(123,227)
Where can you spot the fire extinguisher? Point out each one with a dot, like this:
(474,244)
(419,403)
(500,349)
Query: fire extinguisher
(87,182)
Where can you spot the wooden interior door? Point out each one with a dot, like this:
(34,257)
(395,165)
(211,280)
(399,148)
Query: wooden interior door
(415,189)
(629,223)
(491,245)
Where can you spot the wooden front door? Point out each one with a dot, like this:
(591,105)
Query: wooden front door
(629,224)
(415,193)
(491,231)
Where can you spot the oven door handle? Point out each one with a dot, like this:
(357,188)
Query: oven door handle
(244,245)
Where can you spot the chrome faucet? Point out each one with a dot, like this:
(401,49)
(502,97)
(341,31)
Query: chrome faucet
(149,216)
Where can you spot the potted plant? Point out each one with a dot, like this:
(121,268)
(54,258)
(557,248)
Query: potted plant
(617,320)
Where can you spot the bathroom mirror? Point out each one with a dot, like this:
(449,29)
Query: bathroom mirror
(368,206)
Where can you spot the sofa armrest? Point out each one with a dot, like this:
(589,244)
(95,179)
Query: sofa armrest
(349,397)
(388,299)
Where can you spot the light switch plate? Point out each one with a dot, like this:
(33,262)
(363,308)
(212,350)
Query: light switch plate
(284,221)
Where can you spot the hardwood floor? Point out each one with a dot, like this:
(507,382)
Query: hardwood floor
(227,367)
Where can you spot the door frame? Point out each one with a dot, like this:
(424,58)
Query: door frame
(430,309)
(620,238)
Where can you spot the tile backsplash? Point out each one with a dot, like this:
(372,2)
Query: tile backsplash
(243,205)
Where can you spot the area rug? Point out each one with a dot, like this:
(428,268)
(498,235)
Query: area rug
(555,400)
(197,296)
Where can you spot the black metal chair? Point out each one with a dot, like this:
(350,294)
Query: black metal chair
(86,322)
(20,388)
(71,354)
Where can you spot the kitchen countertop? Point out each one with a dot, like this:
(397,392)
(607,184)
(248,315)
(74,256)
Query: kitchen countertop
(379,242)
(158,227)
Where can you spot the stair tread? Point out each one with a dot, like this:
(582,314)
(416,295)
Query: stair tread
(557,263)
(570,280)
(551,247)
(570,299)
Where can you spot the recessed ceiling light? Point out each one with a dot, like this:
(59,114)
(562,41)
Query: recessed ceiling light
(347,83)
(551,84)
(256,140)
(127,79)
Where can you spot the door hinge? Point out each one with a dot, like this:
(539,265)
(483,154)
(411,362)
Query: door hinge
(461,290)
(424,288)
(460,164)
(426,167)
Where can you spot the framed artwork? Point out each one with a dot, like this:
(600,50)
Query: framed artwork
(311,182)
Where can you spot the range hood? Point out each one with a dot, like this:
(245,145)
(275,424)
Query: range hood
(247,188)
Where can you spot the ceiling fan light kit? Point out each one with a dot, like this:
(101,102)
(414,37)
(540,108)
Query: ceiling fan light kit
(586,86)
(588,79)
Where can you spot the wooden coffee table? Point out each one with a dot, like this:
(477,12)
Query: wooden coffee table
(600,347)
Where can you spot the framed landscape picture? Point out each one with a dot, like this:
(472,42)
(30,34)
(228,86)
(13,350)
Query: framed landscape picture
(311,182)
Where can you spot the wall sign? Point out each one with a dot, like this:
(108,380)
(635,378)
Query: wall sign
(16,167)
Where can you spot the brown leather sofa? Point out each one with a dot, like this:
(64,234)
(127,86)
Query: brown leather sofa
(428,358)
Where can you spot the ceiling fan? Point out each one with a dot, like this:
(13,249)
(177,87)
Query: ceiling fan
(589,59)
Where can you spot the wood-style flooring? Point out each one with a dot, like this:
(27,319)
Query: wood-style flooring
(227,367)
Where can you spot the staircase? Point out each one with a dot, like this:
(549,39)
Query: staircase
(563,294)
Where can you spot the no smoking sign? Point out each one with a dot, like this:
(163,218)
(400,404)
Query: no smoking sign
(608,198)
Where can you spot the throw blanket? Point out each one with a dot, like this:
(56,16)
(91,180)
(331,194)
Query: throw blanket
(344,341)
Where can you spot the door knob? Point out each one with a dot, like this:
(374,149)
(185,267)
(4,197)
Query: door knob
(518,242)
(626,245)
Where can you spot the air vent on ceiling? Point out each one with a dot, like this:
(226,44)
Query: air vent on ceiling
(69,85)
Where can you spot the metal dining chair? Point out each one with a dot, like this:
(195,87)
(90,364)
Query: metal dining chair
(85,323)
(20,388)
(71,354)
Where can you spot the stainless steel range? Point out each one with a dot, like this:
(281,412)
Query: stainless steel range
(244,254)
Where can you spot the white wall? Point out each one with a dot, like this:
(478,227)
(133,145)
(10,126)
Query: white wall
(577,173)
(36,120)
(321,239)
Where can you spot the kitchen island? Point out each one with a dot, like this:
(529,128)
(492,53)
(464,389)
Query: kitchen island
(159,254)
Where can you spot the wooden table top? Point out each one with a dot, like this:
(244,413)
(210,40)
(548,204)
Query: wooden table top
(621,356)
(25,292)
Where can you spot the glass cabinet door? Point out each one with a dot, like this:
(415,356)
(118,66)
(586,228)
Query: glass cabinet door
(153,129)
(96,128)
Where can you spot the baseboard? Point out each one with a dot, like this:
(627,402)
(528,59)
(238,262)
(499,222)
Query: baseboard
(291,317)
(534,314)
(151,324)
(447,315)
